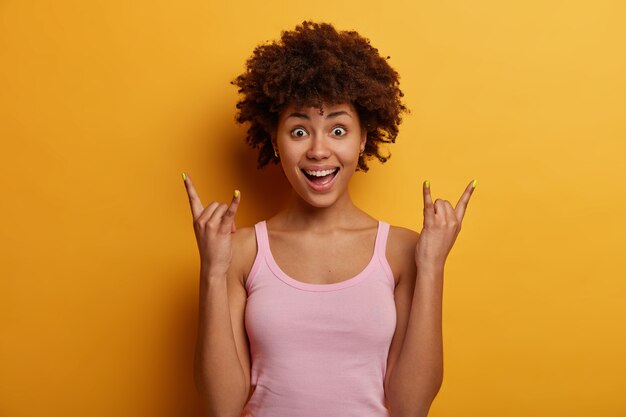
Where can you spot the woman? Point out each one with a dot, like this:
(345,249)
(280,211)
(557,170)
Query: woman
(321,310)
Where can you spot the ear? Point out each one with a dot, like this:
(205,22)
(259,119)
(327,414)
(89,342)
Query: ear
(363,139)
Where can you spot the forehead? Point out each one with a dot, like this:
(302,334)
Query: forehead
(314,111)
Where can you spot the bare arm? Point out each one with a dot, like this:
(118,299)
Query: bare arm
(418,373)
(219,375)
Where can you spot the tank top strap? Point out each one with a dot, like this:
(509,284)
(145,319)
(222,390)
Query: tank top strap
(380,249)
(262,244)
(262,239)
(381,238)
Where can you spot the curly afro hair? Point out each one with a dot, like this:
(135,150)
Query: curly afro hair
(312,65)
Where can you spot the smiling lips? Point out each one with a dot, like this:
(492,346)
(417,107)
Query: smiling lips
(321,179)
(320,173)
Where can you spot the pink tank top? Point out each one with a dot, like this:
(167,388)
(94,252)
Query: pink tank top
(319,350)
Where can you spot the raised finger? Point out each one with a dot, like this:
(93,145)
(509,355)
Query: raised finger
(428,200)
(461,205)
(228,219)
(429,209)
(194,199)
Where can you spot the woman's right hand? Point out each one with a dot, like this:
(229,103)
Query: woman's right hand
(213,226)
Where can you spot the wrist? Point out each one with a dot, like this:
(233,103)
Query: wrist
(430,266)
(208,272)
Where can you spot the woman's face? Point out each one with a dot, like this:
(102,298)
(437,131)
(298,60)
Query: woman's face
(319,153)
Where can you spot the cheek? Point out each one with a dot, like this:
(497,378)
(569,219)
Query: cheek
(351,152)
(289,163)
(289,155)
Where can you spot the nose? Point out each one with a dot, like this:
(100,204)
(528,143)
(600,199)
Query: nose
(318,149)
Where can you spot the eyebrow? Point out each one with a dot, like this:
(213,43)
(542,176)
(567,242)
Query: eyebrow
(333,114)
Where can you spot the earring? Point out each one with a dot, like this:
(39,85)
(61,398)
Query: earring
(275,153)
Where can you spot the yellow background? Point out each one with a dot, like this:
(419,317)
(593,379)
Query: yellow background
(104,103)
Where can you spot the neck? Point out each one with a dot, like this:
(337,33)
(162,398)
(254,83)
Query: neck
(301,215)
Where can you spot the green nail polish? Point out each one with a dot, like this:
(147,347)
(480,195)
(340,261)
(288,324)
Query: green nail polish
(474,183)
(236,193)
(427,184)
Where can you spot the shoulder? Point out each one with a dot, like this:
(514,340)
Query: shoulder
(402,239)
(244,251)
(401,246)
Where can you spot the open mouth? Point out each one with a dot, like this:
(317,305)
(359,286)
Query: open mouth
(322,178)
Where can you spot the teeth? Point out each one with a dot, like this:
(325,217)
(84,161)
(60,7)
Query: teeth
(320,173)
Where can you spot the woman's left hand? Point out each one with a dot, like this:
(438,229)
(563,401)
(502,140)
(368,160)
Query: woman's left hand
(442,224)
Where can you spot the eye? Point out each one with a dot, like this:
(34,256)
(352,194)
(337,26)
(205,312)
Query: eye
(298,132)
(339,131)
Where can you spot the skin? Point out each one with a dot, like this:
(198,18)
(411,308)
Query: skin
(327,225)
(304,138)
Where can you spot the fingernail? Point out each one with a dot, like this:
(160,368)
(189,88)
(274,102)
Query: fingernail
(474,183)
(427,184)
(236,193)
(184,176)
